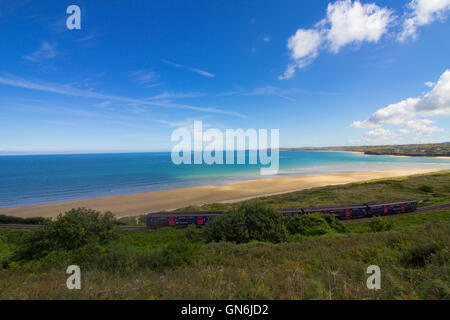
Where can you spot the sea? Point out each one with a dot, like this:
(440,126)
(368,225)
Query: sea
(37,179)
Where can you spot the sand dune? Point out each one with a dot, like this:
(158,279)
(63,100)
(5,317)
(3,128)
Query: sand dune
(140,203)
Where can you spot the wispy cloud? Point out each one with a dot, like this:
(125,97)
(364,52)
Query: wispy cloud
(70,91)
(275,91)
(185,123)
(89,37)
(103,104)
(174,95)
(198,71)
(268,90)
(45,51)
(145,77)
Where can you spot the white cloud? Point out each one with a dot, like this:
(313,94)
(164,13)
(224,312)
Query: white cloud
(410,112)
(422,12)
(346,22)
(422,127)
(304,46)
(289,73)
(266,39)
(430,84)
(45,51)
(403,131)
(378,134)
(355,22)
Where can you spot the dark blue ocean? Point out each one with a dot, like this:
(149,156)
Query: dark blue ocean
(35,179)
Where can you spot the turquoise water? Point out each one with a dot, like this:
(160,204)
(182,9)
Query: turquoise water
(35,179)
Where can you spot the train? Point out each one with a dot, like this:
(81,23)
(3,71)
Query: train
(183,219)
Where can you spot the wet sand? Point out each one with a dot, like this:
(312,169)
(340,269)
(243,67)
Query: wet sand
(141,203)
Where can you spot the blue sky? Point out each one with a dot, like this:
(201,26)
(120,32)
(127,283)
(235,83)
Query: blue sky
(323,72)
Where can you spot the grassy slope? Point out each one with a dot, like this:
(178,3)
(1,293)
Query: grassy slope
(331,266)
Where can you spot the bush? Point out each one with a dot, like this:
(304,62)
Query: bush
(75,229)
(378,224)
(78,227)
(314,224)
(251,221)
(17,220)
(420,254)
(426,188)
(194,234)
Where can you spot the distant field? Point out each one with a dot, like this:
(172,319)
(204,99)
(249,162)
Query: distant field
(421,150)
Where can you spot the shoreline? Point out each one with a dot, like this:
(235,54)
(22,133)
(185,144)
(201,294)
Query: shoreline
(390,155)
(146,202)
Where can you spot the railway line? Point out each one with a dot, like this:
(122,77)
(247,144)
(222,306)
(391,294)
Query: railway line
(422,210)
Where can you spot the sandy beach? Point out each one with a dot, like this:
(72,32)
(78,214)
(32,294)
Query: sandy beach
(141,203)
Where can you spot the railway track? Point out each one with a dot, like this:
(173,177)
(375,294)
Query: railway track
(30,227)
(422,210)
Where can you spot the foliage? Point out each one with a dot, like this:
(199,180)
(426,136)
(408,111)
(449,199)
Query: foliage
(17,220)
(72,230)
(314,224)
(124,259)
(426,188)
(420,254)
(164,264)
(251,221)
(378,224)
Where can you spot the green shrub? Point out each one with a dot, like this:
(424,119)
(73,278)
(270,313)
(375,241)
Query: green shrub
(17,220)
(251,221)
(194,234)
(426,188)
(336,224)
(378,224)
(420,254)
(314,224)
(75,229)
(78,227)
